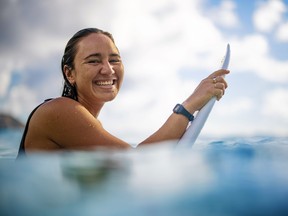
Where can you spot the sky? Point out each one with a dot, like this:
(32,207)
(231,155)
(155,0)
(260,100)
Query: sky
(167,47)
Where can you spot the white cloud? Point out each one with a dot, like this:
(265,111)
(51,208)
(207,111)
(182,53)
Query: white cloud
(276,103)
(20,98)
(157,43)
(282,32)
(252,54)
(5,76)
(268,15)
(225,15)
(235,107)
(156,39)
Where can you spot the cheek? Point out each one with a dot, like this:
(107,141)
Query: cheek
(121,76)
(85,75)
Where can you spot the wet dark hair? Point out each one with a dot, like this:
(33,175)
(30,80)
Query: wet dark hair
(69,55)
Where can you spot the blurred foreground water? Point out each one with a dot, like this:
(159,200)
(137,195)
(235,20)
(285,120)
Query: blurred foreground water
(231,176)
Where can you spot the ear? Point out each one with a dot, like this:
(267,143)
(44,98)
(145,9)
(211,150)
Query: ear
(70,74)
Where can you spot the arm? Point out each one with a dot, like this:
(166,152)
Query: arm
(67,124)
(176,125)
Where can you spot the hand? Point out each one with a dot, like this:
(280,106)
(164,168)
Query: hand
(213,85)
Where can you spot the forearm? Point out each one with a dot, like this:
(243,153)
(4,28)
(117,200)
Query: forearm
(172,129)
(175,126)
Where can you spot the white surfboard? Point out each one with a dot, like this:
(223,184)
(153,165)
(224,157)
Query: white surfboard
(192,132)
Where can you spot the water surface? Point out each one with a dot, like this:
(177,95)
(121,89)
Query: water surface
(231,176)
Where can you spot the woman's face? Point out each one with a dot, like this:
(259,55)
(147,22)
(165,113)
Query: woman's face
(98,69)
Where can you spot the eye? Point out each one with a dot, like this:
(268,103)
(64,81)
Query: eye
(116,60)
(93,61)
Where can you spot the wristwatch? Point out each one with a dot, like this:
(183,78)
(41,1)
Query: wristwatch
(179,109)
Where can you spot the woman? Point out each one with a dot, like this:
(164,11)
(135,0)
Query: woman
(93,74)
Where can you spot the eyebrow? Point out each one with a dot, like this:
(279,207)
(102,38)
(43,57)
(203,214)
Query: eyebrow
(99,55)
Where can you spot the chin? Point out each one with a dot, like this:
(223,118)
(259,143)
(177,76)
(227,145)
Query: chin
(110,98)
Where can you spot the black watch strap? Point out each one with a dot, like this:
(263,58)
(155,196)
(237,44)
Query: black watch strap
(179,109)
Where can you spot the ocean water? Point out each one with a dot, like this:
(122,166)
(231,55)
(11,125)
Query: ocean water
(9,143)
(231,176)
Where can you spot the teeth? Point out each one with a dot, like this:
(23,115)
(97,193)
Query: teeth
(103,83)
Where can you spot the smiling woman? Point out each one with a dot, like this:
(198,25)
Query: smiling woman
(93,73)
(67,63)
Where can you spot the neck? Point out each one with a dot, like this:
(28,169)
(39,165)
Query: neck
(93,108)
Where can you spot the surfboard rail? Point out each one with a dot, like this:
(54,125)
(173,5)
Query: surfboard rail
(194,129)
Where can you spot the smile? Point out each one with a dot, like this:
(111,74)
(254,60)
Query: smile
(105,82)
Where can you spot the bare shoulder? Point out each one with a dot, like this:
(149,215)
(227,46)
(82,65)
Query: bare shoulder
(61,108)
(61,103)
(64,112)
(69,124)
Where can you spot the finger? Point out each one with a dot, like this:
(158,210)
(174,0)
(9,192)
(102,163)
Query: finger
(217,73)
(220,86)
(220,79)
(214,79)
(219,93)
(219,90)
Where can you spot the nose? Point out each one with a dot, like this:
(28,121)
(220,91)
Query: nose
(107,68)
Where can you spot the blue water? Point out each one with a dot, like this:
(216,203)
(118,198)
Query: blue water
(9,143)
(231,176)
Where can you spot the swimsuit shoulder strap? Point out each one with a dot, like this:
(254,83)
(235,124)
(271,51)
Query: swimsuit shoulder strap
(21,150)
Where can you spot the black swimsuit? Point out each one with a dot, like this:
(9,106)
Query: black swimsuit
(21,151)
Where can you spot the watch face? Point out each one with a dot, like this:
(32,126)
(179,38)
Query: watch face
(177,108)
